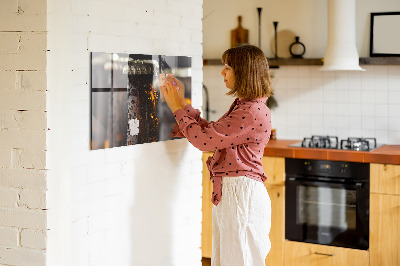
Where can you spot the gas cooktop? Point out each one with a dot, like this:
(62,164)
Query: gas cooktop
(332,142)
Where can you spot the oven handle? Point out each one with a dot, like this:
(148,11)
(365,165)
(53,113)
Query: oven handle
(324,254)
(357,185)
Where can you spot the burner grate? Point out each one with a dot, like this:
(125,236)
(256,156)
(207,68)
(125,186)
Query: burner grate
(327,142)
(358,144)
(332,142)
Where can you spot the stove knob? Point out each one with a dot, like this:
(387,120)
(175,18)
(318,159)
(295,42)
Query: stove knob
(308,166)
(343,168)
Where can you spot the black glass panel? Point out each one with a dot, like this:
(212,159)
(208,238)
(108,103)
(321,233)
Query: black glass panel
(127,104)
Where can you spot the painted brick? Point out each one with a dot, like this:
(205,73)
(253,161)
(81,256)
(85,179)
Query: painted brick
(25,22)
(152,6)
(114,186)
(8,80)
(191,23)
(132,44)
(13,119)
(9,42)
(17,256)
(32,42)
(30,61)
(197,167)
(33,199)
(33,239)
(168,21)
(8,197)
(5,159)
(22,100)
(30,80)
(155,33)
(33,120)
(32,159)
(97,173)
(103,42)
(8,237)
(8,6)
(117,33)
(197,38)
(15,139)
(177,7)
(23,178)
(196,10)
(197,62)
(82,142)
(23,218)
(98,222)
(36,7)
(193,49)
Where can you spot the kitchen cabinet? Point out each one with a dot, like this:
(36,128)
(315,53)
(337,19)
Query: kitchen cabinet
(274,168)
(385,215)
(206,225)
(385,178)
(305,254)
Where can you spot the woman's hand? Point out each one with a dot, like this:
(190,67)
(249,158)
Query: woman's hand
(173,93)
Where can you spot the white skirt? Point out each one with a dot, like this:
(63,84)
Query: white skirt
(241,223)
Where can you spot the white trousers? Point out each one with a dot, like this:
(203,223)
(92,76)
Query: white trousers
(241,223)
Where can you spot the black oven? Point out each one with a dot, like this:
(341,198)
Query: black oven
(327,202)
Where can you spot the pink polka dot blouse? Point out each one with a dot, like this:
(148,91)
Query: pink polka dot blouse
(238,139)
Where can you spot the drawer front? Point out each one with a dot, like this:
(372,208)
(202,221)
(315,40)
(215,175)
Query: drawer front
(297,254)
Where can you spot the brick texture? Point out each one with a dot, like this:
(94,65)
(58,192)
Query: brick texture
(33,239)
(23,125)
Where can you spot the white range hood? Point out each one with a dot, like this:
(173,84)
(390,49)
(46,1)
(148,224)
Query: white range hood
(341,51)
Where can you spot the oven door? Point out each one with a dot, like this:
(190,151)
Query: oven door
(327,213)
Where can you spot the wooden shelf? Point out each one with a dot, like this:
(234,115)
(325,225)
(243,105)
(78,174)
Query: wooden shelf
(380,61)
(274,63)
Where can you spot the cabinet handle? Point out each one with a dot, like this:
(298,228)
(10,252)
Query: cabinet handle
(324,254)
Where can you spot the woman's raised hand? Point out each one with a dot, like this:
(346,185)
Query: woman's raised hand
(173,91)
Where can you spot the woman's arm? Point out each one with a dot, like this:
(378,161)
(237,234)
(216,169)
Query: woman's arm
(173,91)
(238,128)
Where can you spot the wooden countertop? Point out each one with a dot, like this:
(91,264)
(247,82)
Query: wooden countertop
(389,154)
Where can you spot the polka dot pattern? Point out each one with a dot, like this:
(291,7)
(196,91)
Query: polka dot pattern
(238,139)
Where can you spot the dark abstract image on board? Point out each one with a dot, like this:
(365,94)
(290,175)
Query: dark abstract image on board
(127,105)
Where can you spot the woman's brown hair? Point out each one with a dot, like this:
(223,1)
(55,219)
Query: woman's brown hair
(250,66)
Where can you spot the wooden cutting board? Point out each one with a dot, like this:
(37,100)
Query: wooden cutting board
(239,35)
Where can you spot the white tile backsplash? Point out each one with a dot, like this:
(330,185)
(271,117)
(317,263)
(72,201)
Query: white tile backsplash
(381,83)
(345,103)
(394,97)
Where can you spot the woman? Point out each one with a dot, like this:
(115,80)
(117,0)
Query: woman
(242,208)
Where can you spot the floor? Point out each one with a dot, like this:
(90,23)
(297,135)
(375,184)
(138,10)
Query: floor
(206,261)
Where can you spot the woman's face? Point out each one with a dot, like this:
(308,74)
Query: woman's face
(229,76)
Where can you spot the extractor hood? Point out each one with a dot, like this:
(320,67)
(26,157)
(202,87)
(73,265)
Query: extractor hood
(341,51)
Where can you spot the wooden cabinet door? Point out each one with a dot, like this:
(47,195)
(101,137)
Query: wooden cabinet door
(384,237)
(385,178)
(277,233)
(206,226)
(274,168)
(304,254)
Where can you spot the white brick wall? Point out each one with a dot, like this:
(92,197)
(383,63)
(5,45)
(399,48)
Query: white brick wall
(22,132)
(136,205)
